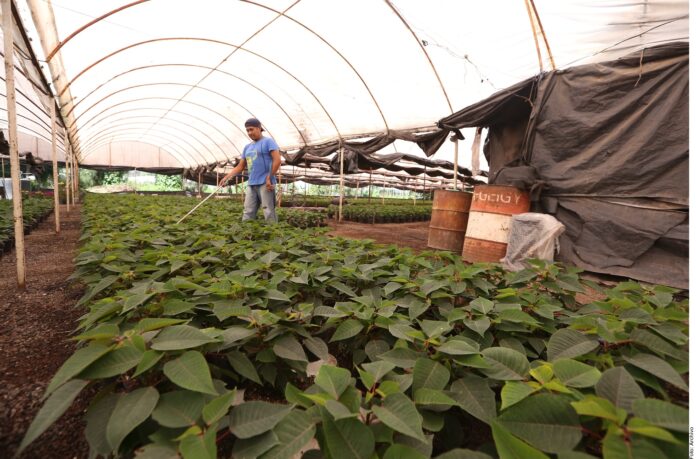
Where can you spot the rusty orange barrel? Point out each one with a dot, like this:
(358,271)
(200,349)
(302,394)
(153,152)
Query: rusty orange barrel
(489,221)
(448,220)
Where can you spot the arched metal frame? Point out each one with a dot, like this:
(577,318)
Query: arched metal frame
(173,154)
(147,67)
(34,132)
(157,84)
(253,53)
(88,122)
(128,134)
(204,134)
(131,121)
(181,139)
(279,14)
(168,98)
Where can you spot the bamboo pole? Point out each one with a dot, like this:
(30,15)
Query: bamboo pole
(8,39)
(340,197)
(534,34)
(56,204)
(543,35)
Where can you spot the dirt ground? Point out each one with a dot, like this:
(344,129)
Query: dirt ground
(413,235)
(34,342)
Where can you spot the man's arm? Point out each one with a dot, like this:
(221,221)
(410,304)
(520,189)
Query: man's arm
(236,171)
(275,165)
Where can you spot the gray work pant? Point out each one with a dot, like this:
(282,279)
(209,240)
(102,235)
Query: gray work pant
(258,195)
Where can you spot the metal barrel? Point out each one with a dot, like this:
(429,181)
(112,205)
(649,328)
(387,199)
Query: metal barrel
(448,220)
(488,230)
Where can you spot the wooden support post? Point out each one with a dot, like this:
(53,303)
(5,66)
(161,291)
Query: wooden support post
(2,164)
(199,184)
(8,39)
(76,180)
(369,196)
(56,204)
(66,167)
(340,197)
(280,189)
(66,156)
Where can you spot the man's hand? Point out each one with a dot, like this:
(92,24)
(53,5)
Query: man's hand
(269,184)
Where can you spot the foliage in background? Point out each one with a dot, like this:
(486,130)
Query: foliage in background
(34,209)
(255,340)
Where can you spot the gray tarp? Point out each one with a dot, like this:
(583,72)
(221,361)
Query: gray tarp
(606,145)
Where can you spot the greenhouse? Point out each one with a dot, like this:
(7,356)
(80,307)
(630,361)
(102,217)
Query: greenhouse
(332,229)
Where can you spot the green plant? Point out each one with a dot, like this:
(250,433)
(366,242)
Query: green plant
(216,334)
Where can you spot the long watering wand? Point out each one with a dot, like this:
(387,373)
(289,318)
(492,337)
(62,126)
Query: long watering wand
(200,204)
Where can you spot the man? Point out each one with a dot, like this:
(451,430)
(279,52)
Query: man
(262,158)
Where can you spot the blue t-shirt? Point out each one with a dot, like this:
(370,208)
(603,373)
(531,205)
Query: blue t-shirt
(259,161)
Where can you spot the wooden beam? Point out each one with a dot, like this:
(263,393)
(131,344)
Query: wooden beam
(8,39)
(56,203)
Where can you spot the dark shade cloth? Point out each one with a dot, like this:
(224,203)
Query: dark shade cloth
(605,148)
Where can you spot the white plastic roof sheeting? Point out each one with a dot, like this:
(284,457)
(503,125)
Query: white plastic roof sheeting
(169,83)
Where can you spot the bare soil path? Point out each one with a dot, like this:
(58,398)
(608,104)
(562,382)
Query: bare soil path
(34,332)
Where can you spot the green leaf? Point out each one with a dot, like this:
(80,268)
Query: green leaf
(318,347)
(338,410)
(97,416)
(180,408)
(513,392)
(273,294)
(190,371)
(347,329)
(618,386)
(434,398)
(251,448)
(218,407)
(474,395)
(569,343)
(576,374)
(199,446)
(399,413)
(599,407)
(643,427)
(254,418)
(662,414)
(114,363)
(233,334)
(77,362)
(460,453)
(51,410)
(482,305)
(147,361)
(505,364)
(347,438)
(149,324)
(397,451)
(333,380)
(429,374)
(378,369)
(130,411)
(293,432)
(614,447)
(243,366)
(179,337)
(401,357)
(459,347)
(656,344)
(510,447)
(546,421)
(657,367)
(479,325)
(289,348)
